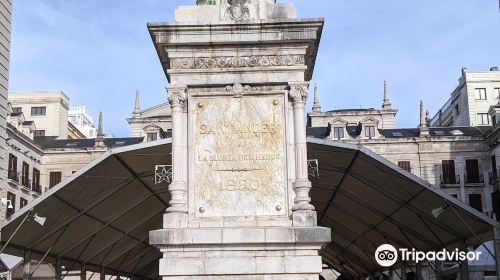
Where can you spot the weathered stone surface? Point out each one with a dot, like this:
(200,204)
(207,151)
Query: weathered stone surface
(239,154)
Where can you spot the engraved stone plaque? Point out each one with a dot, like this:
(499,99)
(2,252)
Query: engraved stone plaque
(239,156)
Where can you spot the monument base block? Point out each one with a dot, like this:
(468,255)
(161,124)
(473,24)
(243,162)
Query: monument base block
(264,253)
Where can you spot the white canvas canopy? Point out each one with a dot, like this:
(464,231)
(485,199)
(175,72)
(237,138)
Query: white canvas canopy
(102,215)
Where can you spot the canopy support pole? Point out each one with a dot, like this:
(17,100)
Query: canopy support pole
(102,274)
(58,268)
(83,271)
(496,232)
(403,271)
(439,270)
(464,266)
(418,270)
(26,264)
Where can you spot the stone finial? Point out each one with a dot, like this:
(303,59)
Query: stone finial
(424,129)
(99,141)
(137,107)
(427,118)
(100,126)
(387,104)
(316,106)
(206,2)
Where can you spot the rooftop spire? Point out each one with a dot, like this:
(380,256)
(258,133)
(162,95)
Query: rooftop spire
(99,141)
(137,107)
(387,104)
(99,127)
(424,130)
(316,106)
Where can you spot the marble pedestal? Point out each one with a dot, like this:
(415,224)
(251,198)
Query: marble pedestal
(264,253)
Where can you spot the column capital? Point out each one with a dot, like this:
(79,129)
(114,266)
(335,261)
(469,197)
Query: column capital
(177,96)
(298,92)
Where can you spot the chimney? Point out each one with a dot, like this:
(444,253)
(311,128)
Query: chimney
(387,104)
(316,106)
(99,140)
(424,130)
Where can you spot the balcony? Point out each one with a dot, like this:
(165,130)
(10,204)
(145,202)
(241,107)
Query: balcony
(13,177)
(37,189)
(26,183)
(450,180)
(494,177)
(475,179)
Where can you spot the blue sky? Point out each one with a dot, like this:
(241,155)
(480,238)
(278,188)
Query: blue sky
(99,52)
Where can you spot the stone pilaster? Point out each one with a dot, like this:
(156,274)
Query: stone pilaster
(303,210)
(177,97)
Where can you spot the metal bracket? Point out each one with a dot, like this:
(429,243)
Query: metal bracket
(163,173)
(313,168)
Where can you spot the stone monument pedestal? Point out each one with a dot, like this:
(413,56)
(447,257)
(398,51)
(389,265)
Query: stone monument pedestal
(239,75)
(274,253)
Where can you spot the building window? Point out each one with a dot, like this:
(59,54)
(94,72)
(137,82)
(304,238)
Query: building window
(22,202)
(406,165)
(472,171)
(13,168)
(152,136)
(25,175)
(36,181)
(475,201)
(338,132)
(449,177)
(370,131)
(483,119)
(17,109)
(12,198)
(55,178)
(496,93)
(457,111)
(480,93)
(38,111)
(39,133)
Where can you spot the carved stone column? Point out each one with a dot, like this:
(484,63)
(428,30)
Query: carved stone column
(302,185)
(177,96)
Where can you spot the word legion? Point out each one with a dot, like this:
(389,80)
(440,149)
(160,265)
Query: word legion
(240,128)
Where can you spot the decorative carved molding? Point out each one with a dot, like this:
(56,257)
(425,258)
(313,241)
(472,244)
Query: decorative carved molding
(237,10)
(236,62)
(298,92)
(177,96)
(239,89)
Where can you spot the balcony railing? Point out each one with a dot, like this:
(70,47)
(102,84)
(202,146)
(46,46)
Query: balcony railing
(13,175)
(37,189)
(494,176)
(450,180)
(26,183)
(474,180)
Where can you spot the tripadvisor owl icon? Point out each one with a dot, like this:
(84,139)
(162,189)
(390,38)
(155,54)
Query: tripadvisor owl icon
(386,255)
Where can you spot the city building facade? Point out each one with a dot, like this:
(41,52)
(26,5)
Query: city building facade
(48,109)
(151,123)
(83,122)
(471,100)
(5,36)
(455,159)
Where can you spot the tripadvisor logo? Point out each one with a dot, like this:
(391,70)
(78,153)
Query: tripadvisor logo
(387,255)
